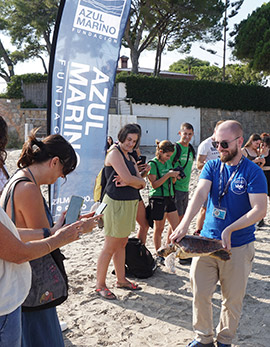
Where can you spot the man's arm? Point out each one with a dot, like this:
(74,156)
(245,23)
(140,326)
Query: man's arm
(193,208)
(201,161)
(258,211)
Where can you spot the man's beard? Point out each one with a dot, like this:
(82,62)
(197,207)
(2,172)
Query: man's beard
(229,156)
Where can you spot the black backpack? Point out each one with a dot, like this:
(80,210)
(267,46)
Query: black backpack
(139,260)
(178,153)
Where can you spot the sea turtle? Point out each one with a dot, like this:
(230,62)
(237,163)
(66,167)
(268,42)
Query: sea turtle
(196,246)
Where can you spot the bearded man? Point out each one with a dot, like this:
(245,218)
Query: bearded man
(237,200)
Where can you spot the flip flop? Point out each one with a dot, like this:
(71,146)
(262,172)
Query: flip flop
(128,286)
(105,293)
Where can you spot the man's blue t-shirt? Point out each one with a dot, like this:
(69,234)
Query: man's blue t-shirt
(249,179)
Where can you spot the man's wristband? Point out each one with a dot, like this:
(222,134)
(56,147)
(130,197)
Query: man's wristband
(46,232)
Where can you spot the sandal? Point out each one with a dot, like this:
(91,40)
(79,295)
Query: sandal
(105,293)
(128,286)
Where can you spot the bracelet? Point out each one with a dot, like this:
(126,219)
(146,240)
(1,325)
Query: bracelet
(46,232)
(49,246)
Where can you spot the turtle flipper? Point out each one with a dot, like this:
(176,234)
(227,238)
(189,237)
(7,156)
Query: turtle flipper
(221,254)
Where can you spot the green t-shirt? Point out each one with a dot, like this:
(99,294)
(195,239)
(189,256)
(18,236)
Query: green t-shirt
(163,169)
(183,184)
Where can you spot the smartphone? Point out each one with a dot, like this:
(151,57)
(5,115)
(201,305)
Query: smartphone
(142,159)
(100,208)
(74,209)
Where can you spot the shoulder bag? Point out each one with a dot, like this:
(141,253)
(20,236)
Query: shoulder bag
(49,280)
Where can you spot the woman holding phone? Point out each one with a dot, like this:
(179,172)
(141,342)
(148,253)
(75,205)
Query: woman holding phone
(161,196)
(121,197)
(41,162)
(16,249)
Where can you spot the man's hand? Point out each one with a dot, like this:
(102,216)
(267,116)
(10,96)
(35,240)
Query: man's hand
(178,234)
(226,239)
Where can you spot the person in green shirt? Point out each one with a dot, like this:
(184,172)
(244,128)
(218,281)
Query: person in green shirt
(183,157)
(162,177)
(185,161)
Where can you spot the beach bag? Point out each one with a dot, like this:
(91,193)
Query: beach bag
(139,260)
(49,286)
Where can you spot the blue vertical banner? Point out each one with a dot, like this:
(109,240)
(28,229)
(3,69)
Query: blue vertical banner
(83,62)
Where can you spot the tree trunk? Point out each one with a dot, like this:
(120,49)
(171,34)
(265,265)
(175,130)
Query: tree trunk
(158,57)
(8,61)
(46,36)
(224,42)
(43,63)
(134,55)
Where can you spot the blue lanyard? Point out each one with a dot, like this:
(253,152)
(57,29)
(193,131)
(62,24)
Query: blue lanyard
(225,190)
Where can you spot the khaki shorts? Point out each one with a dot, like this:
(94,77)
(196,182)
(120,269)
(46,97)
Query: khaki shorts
(119,217)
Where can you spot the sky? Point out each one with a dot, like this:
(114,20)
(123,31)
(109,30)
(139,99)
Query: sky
(147,58)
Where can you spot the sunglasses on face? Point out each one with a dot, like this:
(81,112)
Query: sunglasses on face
(223,144)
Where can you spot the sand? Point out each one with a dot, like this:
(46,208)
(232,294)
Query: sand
(160,314)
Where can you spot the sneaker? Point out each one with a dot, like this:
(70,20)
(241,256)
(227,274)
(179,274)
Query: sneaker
(195,343)
(186,261)
(160,260)
(260,223)
(219,344)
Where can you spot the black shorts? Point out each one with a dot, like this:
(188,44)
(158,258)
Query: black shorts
(160,205)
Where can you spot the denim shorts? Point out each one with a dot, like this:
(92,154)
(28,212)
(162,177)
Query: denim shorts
(11,329)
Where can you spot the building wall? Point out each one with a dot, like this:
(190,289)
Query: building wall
(203,120)
(176,115)
(35,92)
(252,122)
(16,117)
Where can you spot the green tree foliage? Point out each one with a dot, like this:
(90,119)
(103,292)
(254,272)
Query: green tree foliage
(30,27)
(186,65)
(252,40)
(170,23)
(235,73)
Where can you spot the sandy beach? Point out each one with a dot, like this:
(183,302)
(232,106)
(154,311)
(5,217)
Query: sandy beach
(160,314)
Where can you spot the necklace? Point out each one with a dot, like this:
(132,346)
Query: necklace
(31,175)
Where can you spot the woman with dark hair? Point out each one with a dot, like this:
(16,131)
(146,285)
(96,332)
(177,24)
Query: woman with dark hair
(162,177)
(109,142)
(41,162)
(3,154)
(121,197)
(251,149)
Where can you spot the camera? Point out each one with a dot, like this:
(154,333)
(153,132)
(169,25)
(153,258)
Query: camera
(181,171)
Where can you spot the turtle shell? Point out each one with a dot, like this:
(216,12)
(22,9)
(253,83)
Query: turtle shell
(196,246)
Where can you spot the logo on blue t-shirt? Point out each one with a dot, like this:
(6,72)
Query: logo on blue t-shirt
(239,186)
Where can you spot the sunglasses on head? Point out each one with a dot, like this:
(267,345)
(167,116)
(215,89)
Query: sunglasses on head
(223,144)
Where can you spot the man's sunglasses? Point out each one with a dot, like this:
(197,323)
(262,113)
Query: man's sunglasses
(223,144)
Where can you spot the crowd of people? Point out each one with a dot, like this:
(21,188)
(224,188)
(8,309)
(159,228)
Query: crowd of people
(231,175)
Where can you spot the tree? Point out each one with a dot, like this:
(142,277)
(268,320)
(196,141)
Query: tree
(6,62)
(186,65)
(172,23)
(30,26)
(235,73)
(252,41)
(231,10)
